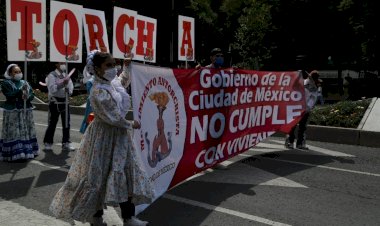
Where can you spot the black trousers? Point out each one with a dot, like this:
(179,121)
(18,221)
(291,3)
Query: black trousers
(56,110)
(301,130)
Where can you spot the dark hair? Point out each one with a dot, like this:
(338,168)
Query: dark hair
(11,68)
(216,51)
(99,58)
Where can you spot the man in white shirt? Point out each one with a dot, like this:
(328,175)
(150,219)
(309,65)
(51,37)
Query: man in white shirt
(58,85)
(311,94)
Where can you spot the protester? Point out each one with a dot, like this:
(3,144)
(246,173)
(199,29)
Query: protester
(311,93)
(105,170)
(58,85)
(320,99)
(18,141)
(217,62)
(216,58)
(88,80)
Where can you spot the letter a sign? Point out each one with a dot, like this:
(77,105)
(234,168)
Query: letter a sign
(186,38)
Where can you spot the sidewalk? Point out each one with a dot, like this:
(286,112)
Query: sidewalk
(367,133)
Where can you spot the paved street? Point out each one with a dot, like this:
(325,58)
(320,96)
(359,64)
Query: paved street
(328,185)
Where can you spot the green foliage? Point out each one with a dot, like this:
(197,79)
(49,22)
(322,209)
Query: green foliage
(77,100)
(204,11)
(347,114)
(41,95)
(254,24)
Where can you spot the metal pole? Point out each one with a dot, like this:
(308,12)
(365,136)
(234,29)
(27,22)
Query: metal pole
(186,52)
(26,60)
(66,91)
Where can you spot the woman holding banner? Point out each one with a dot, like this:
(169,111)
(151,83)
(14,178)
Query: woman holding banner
(18,140)
(105,169)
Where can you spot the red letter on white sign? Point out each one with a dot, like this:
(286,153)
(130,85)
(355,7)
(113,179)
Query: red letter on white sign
(93,21)
(26,9)
(59,31)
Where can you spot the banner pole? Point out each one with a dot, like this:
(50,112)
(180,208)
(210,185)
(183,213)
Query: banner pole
(186,52)
(66,90)
(25,61)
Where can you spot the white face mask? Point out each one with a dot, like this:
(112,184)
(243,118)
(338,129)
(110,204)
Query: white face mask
(18,76)
(62,67)
(110,74)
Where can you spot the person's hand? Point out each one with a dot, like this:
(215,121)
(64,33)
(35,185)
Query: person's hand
(25,87)
(24,96)
(124,82)
(65,81)
(127,62)
(136,124)
(67,90)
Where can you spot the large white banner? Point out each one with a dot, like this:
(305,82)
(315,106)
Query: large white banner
(124,33)
(65,32)
(95,30)
(26,30)
(186,40)
(159,106)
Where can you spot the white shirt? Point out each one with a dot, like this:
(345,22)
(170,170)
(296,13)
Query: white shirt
(55,84)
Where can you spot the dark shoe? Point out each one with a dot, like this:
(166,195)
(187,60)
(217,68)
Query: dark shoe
(67,147)
(48,147)
(289,145)
(302,147)
(98,221)
(134,221)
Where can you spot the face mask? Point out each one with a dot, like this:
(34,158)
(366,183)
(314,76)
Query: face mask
(110,74)
(219,62)
(18,76)
(62,67)
(118,67)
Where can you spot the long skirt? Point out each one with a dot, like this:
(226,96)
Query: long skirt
(105,170)
(18,136)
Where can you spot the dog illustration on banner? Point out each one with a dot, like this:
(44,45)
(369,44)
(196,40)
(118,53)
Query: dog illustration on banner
(34,54)
(162,146)
(190,54)
(148,54)
(74,55)
(128,51)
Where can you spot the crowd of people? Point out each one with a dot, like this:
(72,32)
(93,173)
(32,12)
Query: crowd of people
(104,171)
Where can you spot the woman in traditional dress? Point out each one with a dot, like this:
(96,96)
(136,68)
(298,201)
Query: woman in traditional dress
(88,80)
(106,168)
(18,141)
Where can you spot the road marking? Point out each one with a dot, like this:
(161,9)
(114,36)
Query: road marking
(326,167)
(223,210)
(45,125)
(47,166)
(280,144)
(58,127)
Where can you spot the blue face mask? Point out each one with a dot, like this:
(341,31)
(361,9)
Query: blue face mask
(219,62)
